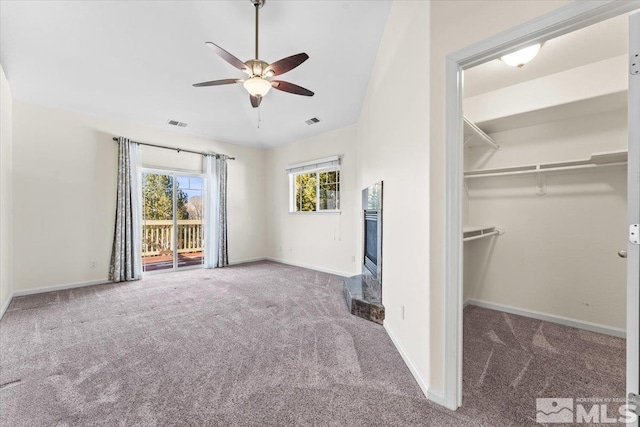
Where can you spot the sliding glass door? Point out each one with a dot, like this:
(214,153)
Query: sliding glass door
(172,220)
(190,237)
(158,240)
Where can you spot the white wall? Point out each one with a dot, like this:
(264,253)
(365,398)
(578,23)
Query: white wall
(559,253)
(401,142)
(64,193)
(6,191)
(153,157)
(323,241)
(587,82)
(455,25)
(393,147)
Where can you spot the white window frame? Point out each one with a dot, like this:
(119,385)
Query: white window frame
(329,164)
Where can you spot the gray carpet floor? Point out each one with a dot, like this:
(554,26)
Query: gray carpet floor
(509,361)
(266,344)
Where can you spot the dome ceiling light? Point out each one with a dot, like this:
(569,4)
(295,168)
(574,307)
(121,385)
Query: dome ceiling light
(522,56)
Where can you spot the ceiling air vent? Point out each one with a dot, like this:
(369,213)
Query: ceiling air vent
(177,123)
(312,121)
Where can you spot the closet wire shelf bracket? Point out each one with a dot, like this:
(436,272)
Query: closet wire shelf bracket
(541,182)
(471,131)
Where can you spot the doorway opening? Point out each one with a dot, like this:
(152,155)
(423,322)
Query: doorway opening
(172,228)
(546,28)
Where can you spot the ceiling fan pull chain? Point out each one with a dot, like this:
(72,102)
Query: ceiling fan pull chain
(259,118)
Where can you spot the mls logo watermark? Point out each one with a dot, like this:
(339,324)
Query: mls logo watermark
(554,410)
(585,410)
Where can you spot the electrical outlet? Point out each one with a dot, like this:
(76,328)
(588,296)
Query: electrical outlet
(93,264)
(402,312)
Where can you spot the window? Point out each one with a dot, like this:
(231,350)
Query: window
(315,186)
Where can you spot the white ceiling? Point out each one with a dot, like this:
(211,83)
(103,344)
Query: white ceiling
(136,61)
(597,42)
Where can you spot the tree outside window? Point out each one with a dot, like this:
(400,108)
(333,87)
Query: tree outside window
(306,185)
(157,194)
(317,191)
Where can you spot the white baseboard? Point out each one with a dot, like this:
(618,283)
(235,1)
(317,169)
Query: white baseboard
(245,261)
(431,395)
(46,289)
(311,267)
(593,327)
(6,304)
(60,287)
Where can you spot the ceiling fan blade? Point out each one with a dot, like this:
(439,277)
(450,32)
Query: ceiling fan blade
(286,64)
(228,57)
(291,88)
(255,101)
(218,82)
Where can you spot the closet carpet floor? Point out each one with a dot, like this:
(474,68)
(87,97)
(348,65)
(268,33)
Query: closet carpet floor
(266,344)
(510,361)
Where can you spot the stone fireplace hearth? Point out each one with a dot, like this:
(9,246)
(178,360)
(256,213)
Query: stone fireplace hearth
(363,293)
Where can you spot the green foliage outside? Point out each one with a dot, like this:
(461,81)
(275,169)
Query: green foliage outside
(329,190)
(307,198)
(306,192)
(157,196)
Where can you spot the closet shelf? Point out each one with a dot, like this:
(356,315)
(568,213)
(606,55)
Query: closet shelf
(474,232)
(471,131)
(613,158)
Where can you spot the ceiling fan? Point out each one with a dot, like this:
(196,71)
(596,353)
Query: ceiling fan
(260,72)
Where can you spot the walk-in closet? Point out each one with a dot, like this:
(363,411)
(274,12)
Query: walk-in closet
(545,211)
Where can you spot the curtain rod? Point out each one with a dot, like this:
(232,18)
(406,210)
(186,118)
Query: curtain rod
(177,149)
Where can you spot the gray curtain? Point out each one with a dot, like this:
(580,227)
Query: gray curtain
(216,252)
(125,254)
(221,214)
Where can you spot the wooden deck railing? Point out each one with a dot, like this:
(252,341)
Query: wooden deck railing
(157,236)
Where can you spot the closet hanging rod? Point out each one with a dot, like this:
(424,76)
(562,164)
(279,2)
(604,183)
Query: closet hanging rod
(480,236)
(177,149)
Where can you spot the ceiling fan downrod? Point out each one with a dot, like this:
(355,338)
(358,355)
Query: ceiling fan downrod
(258,5)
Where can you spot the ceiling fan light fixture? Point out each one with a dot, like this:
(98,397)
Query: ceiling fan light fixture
(259,71)
(257,86)
(522,56)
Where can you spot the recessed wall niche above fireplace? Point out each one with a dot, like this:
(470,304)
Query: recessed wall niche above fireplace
(363,293)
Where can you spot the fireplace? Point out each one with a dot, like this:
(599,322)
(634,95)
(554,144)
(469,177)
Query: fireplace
(363,293)
(371,241)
